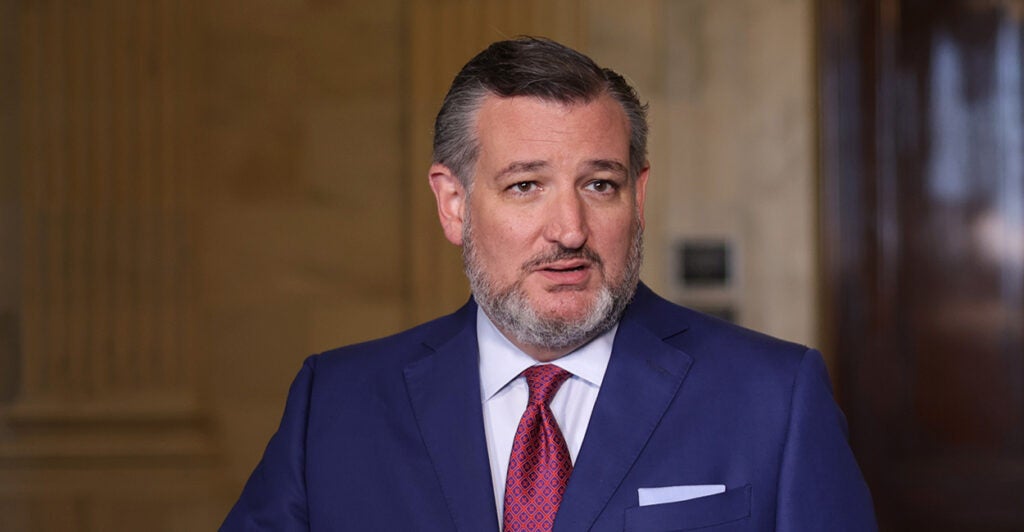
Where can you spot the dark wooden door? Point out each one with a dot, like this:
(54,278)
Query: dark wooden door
(922,120)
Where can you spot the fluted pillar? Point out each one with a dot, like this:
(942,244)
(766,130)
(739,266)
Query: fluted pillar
(106,131)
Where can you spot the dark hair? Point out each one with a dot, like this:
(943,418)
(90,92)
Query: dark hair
(529,66)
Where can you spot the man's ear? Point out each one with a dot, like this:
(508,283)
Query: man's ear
(640,188)
(451,201)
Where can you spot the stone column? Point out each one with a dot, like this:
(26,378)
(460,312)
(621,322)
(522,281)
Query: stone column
(107,118)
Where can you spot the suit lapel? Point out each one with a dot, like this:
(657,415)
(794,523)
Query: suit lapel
(644,374)
(444,389)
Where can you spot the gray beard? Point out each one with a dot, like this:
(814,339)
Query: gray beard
(510,310)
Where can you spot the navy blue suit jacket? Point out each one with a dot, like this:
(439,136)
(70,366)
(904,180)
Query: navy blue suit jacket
(388,435)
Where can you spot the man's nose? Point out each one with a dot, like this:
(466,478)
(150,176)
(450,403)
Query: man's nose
(566,221)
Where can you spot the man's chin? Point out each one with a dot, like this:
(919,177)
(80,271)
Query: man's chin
(568,289)
(564,307)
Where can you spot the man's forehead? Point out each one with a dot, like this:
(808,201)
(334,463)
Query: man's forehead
(500,115)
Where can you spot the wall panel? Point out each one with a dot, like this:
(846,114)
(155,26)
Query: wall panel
(106,273)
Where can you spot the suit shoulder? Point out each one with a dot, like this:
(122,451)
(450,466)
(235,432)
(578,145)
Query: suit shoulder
(724,334)
(708,337)
(397,349)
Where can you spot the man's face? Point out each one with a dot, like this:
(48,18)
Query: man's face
(552,227)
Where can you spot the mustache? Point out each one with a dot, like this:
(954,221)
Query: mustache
(563,253)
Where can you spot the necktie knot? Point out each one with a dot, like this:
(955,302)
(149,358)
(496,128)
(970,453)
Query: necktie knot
(544,381)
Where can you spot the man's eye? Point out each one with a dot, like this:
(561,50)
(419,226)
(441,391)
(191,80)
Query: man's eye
(524,186)
(602,186)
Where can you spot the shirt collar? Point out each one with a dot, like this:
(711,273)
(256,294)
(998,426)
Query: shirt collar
(501,361)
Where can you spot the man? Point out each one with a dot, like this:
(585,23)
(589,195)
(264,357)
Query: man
(564,394)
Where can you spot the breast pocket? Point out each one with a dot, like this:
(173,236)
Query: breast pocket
(732,505)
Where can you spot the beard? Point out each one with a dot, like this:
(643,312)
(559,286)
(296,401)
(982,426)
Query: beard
(510,309)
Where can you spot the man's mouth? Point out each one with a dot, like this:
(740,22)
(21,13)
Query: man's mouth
(562,267)
(566,269)
(566,274)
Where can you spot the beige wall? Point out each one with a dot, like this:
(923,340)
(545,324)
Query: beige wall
(195,196)
(742,165)
(731,87)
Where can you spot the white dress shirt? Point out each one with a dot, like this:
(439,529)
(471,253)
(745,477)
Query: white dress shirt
(504,394)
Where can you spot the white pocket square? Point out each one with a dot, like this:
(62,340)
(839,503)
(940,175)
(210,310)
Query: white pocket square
(667,494)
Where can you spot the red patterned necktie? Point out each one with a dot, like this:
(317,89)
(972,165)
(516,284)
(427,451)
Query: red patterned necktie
(539,467)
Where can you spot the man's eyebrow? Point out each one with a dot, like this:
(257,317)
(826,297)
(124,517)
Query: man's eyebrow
(519,167)
(607,165)
(594,165)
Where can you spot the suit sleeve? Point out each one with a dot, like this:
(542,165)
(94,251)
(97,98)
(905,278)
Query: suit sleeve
(274,498)
(820,484)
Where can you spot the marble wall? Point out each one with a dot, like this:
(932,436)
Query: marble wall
(741,158)
(731,87)
(194,196)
